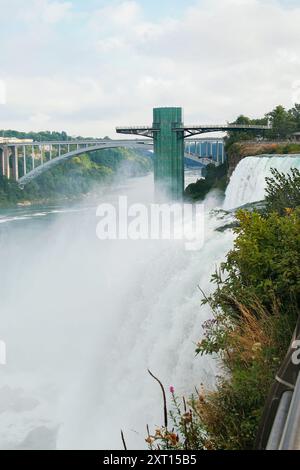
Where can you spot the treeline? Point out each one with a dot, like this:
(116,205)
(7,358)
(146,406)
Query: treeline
(284,123)
(43,135)
(76,177)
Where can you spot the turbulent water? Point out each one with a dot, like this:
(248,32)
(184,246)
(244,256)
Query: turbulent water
(83,319)
(247,183)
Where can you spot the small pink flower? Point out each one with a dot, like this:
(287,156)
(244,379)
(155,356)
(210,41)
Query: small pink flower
(172,390)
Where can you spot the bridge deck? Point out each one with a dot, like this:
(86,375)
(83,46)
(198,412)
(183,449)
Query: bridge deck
(67,149)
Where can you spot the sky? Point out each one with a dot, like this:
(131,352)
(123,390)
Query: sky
(87,66)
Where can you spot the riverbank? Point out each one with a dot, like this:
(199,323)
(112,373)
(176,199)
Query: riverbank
(214,177)
(254,308)
(76,178)
(239,150)
(218,177)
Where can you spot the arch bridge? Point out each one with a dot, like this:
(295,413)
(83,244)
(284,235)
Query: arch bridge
(169,139)
(38,157)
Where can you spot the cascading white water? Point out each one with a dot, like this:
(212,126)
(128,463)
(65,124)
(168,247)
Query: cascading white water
(84,319)
(247,183)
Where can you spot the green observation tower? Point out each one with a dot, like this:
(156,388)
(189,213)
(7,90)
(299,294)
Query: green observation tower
(168,133)
(168,137)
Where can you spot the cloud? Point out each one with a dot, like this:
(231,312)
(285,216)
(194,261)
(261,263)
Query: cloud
(2,92)
(90,70)
(46,11)
(55,11)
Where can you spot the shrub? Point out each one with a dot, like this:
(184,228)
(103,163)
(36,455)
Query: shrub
(255,308)
(283,191)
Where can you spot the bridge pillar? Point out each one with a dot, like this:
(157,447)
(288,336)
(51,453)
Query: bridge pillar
(5,162)
(24,160)
(32,158)
(15,167)
(1,161)
(169,151)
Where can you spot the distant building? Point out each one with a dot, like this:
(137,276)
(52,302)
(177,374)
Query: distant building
(12,140)
(296,136)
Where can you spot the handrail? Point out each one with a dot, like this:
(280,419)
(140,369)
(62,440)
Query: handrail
(227,126)
(201,126)
(291,434)
(280,428)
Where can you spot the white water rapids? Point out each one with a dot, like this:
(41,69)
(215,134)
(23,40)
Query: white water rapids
(83,319)
(247,183)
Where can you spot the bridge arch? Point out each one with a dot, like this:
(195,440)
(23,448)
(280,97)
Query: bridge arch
(67,156)
(145,145)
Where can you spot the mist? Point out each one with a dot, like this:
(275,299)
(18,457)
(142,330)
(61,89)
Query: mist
(84,319)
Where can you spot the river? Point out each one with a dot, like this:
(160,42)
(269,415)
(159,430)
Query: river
(83,319)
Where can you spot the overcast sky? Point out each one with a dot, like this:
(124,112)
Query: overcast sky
(85,66)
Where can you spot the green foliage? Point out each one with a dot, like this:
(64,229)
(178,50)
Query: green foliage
(75,177)
(295,115)
(36,136)
(283,191)
(255,309)
(282,121)
(265,261)
(186,434)
(243,149)
(10,192)
(215,178)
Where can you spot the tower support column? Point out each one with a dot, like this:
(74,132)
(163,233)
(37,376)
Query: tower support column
(169,151)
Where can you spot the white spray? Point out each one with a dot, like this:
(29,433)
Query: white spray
(83,320)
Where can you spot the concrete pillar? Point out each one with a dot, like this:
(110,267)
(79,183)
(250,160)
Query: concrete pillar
(59,150)
(68,148)
(24,160)
(42,154)
(6,167)
(50,151)
(2,161)
(15,163)
(169,151)
(32,157)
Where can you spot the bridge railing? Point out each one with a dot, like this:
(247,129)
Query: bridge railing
(201,126)
(227,126)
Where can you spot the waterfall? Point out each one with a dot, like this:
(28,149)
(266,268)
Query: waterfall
(83,320)
(247,183)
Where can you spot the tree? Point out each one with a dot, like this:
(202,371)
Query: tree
(295,115)
(282,122)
